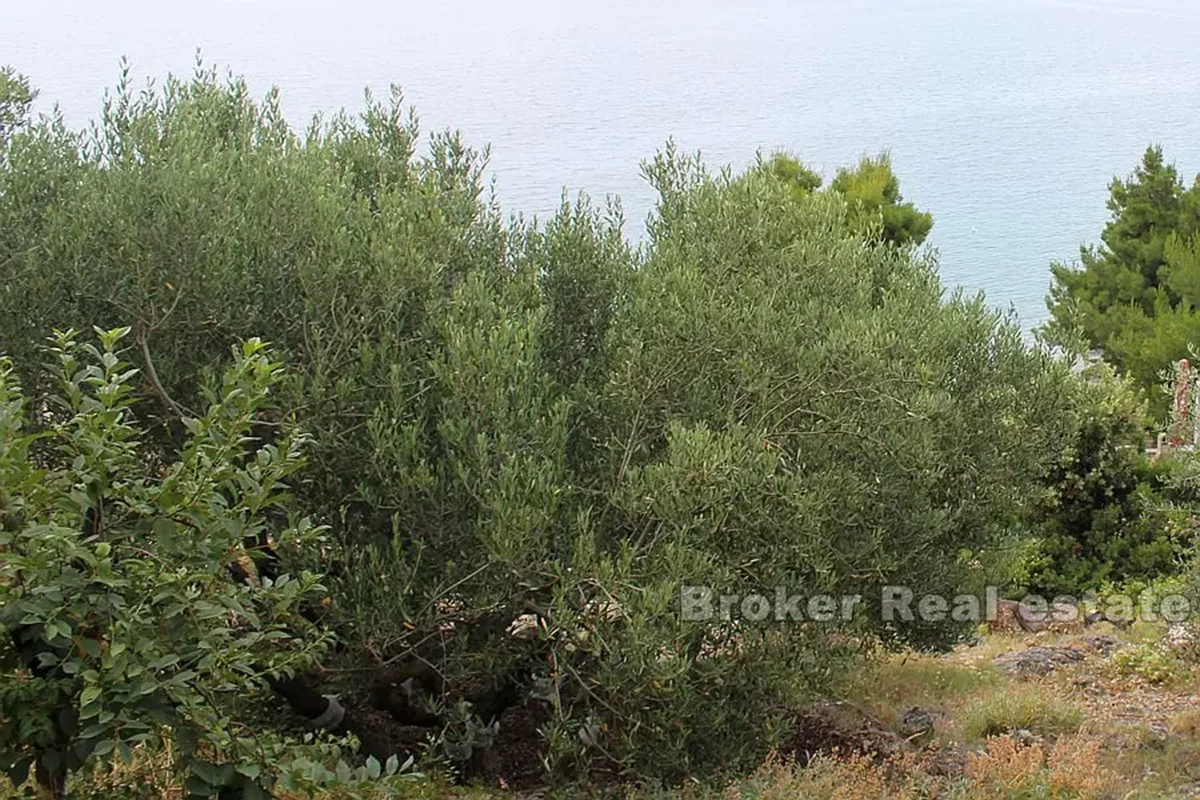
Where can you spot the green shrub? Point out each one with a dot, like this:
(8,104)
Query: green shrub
(121,623)
(513,419)
(1150,663)
(1106,517)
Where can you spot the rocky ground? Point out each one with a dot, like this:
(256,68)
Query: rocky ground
(1096,714)
(1092,714)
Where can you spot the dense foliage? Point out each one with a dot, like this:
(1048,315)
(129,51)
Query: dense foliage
(16,97)
(1112,515)
(121,622)
(1108,517)
(1136,297)
(534,422)
(871,191)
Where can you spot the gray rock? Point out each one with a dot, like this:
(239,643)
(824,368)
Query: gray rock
(1044,659)
(1100,642)
(918,723)
(1026,737)
(1037,660)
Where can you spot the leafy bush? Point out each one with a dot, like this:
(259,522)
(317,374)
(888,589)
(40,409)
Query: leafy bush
(872,190)
(1106,516)
(16,96)
(514,420)
(121,621)
(154,773)
(1150,663)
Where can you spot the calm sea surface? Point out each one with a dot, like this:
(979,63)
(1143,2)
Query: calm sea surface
(1005,118)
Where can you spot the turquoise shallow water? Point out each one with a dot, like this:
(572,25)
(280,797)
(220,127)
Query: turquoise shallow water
(1005,118)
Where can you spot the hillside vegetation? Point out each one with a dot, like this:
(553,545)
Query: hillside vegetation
(313,418)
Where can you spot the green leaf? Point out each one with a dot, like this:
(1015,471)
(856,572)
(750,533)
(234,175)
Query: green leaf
(89,695)
(92,731)
(213,774)
(57,629)
(165,534)
(52,760)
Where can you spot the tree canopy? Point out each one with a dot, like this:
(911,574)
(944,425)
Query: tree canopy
(1135,296)
(871,192)
(537,422)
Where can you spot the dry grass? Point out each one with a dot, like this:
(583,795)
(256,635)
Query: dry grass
(150,776)
(917,678)
(1186,724)
(1159,759)
(1005,767)
(1073,769)
(827,777)
(1093,734)
(887,688)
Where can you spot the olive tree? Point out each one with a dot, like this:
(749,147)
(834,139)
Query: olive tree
(528,438)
